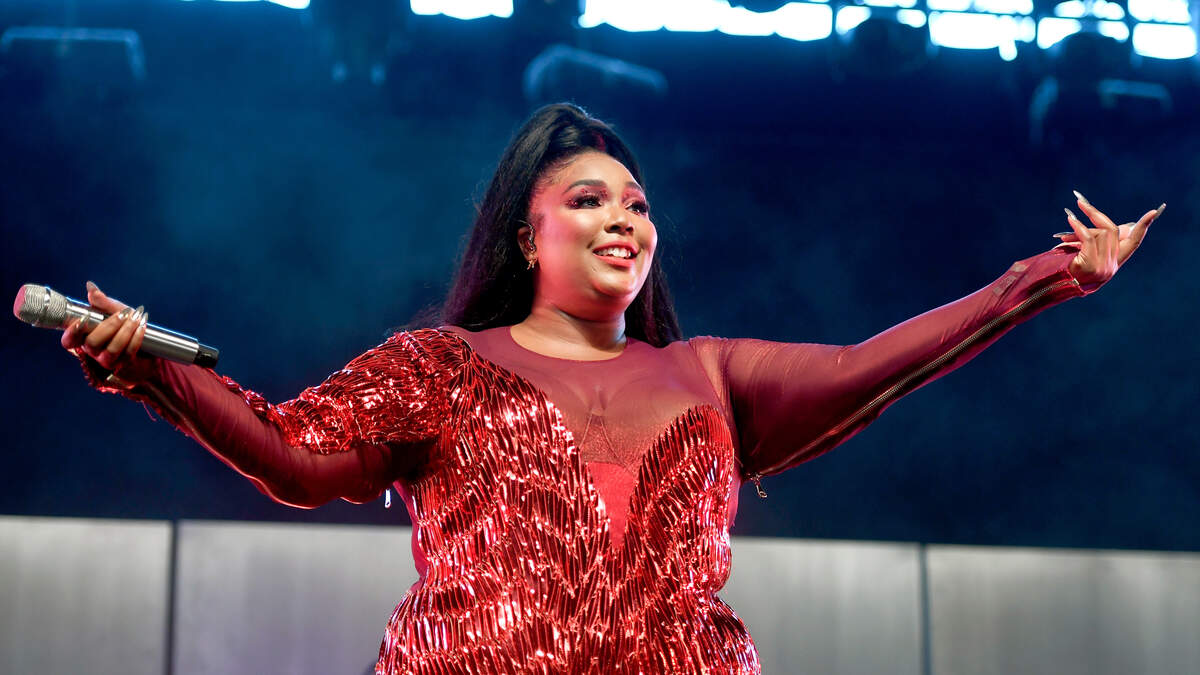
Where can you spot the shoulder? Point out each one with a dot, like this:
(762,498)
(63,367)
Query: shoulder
(705,353)
(709,350)
(425,348)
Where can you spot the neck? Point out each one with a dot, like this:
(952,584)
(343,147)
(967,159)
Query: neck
(552,330)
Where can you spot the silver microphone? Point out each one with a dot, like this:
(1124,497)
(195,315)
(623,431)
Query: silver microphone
(43,307)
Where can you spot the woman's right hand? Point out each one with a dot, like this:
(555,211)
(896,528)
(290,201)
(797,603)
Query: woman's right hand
(115,341)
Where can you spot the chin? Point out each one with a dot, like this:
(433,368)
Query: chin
(622,292)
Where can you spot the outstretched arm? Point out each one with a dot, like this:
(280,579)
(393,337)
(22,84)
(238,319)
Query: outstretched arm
(366,426)
(793,402)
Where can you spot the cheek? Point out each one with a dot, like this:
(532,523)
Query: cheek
(650,244)
(573,228)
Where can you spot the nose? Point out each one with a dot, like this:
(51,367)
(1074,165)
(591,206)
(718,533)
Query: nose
(620,223)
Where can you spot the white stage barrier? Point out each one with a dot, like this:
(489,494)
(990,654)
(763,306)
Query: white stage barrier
(286,598)
(95,596)
(83,596)
(1034,611)
(829,606)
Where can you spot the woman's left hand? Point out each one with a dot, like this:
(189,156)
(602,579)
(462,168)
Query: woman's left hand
(1104,248)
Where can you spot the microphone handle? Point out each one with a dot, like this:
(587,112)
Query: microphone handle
(158,341)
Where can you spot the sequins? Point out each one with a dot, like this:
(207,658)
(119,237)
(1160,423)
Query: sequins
(522,573)
(392,393)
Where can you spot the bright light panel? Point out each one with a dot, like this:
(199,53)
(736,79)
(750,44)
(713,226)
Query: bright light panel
(1075,9)
(1164,42)
(1004,6)
(1175,11)
(1108,10)
(986,24)
(463,9)
(975,31)
(741,21)
(949,5)
(290,4)
(1051,30)
(1116,30)
(849,17)
(1071,9)
(701,16)
(911,17)
(890,3)
(804,22)
(795,20)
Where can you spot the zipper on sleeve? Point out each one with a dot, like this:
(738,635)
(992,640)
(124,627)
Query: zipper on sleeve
(921,372)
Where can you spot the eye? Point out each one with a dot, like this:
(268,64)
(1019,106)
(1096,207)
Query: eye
(585,201)
(640,207)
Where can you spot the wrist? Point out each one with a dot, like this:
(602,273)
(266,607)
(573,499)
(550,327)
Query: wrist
(1088,282)
(124,378)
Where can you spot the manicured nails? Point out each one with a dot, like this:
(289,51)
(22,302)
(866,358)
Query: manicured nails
(124,313)
(137,314)
(1069,214)
(1081,197)
(145,319)
(1161,209)
(1060,235)
(92,287)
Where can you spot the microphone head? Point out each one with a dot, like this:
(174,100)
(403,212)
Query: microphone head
(40,306)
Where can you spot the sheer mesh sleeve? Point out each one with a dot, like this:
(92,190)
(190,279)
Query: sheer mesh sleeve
(793,402)
(367,425)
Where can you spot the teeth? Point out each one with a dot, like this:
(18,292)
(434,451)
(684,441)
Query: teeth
(616,252)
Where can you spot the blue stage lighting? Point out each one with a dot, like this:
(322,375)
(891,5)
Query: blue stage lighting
(464,9)
(290,4)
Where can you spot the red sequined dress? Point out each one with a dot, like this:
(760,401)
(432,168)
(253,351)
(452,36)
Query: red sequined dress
(573,517)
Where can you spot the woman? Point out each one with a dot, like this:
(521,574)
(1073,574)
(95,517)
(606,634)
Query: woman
(571,466)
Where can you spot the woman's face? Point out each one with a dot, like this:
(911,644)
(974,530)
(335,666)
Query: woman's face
(594,238)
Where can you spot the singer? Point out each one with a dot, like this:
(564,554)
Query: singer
(570,463)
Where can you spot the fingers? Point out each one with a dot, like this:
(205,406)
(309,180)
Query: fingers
(97,298)
(113,342)
(1138,233)
(97,341)
(72,337)
(1103,249)
(1124,230)
(120,342)
(139,334)
(1108,239)
(1098,219)
(1082,233)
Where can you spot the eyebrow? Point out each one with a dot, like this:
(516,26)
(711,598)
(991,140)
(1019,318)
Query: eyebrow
(595,182)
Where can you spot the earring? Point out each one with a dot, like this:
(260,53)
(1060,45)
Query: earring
(532,247)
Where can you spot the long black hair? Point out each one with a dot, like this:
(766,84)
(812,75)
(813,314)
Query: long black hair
(492,286)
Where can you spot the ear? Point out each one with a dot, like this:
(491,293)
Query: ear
(525,241)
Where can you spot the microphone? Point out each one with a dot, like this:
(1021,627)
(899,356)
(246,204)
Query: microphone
(43,307)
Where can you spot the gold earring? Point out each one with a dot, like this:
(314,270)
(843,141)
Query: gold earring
(532,263)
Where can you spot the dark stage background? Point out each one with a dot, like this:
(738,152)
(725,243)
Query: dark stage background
(247,199)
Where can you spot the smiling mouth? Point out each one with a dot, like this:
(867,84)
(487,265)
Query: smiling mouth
(615,252)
